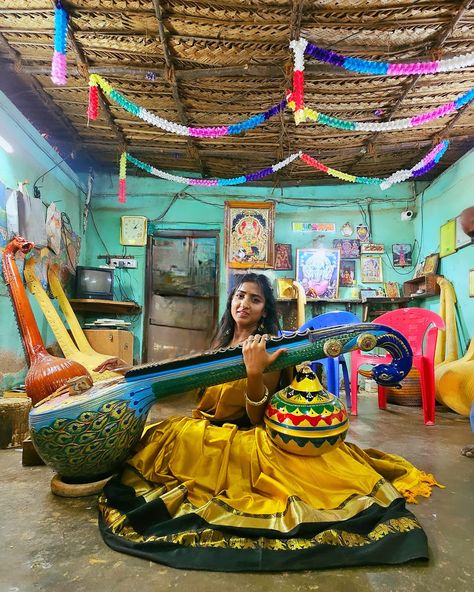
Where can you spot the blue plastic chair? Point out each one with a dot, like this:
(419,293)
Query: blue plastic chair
(331,365)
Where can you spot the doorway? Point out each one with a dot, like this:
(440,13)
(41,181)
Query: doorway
(182,293)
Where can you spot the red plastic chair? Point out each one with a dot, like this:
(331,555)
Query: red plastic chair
(420,327)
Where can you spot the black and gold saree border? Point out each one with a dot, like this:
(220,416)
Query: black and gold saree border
(376,535)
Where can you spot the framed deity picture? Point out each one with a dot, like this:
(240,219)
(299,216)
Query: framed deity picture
(402,254)
(392,290)
(371,269)
(363,234)
(350,248)
(419,269)
(249,234)
(430,264)
(317,270)
(283,257)
(347,272)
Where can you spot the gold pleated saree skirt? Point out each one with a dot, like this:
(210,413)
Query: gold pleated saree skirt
(200,496)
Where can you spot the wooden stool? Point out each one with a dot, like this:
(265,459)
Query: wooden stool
(14,421)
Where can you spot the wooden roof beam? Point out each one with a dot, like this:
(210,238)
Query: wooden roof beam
(44,97)
(173,82)
(83,69)
(284,140)
(436,45)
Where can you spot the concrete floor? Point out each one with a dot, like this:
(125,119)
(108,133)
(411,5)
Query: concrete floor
(52,544)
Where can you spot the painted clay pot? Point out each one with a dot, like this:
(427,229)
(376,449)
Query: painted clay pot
(304,418)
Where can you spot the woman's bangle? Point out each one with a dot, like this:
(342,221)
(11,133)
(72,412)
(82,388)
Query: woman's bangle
(262,400)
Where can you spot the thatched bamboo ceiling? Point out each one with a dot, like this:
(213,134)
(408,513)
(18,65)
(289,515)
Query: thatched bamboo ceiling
(220,62)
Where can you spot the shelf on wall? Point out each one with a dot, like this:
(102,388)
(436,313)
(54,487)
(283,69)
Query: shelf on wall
(421,287)
(110,306)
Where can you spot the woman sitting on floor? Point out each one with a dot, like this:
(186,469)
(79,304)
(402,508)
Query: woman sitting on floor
(213,491)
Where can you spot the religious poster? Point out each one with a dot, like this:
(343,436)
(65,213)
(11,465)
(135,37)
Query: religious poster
(347,273)
(350,248)
(317,270)
(430,264)
(362,231)
(249,234)
(283,257)
(401,254)
(392,290)
(371,268)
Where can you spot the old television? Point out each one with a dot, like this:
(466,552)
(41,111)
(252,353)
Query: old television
(94,282)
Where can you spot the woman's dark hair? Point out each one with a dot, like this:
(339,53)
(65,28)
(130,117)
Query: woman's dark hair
(269,324)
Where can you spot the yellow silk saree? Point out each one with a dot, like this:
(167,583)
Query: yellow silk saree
(202,496)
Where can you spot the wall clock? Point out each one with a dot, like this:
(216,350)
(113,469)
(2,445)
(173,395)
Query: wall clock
(133,230)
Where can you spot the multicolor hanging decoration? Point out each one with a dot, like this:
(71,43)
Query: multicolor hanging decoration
(384,68)
(93,106)
(422,167)
(386,126)
(427,162)
(213,182)
(298,46)
(182,130)
(122,197)
(59,64)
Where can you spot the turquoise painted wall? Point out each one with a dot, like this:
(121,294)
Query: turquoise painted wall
(169,206)
(442,200)
(32,157)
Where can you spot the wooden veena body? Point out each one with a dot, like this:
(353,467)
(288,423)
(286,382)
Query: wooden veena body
(87,436)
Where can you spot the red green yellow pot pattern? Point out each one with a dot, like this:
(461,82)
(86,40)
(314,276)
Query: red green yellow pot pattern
(304,418)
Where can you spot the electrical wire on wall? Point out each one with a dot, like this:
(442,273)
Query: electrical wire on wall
(297,202)
(107,252)
(415,244)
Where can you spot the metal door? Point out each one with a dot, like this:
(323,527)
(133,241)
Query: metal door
(182,292)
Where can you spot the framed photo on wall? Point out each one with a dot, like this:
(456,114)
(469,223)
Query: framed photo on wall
(350,248)
(347,272)
(362,231)
(283,257)
(371,269)
(430,264)
(419,269)
(317,270)
(248,234)
(402,254)
(392,290)
(471,283)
